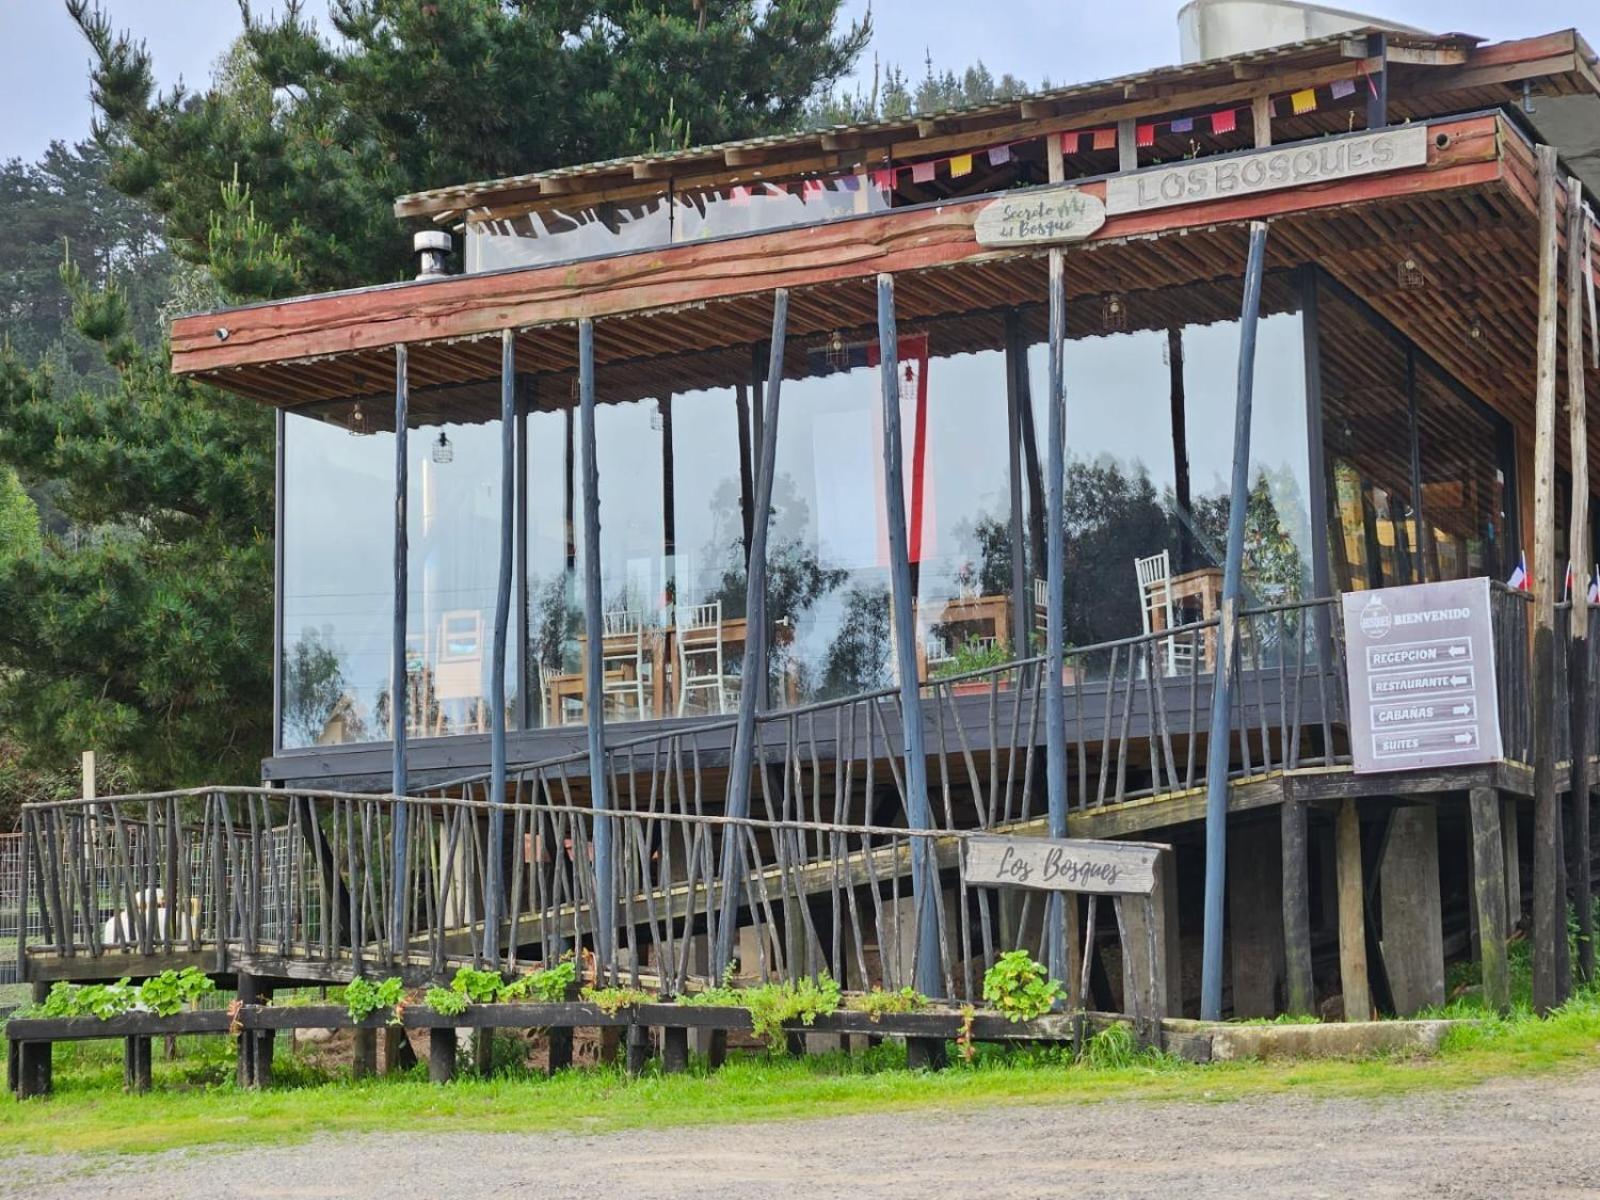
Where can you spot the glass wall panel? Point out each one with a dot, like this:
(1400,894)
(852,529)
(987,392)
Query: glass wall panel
(555,235)
(339,567)
(750,208)
(671,541)
(1151,388)
(1372,528)
(828,558)
(1464,486)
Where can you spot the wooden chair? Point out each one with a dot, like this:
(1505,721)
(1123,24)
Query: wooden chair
(622,663)
(1155,600)
(700,663)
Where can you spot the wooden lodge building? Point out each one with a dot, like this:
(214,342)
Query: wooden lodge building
(880,477)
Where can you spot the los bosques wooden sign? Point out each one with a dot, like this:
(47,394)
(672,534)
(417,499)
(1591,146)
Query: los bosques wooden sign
(1062,865)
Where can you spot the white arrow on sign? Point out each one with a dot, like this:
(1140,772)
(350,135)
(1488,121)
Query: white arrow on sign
(1457,651)
(1462,710)
(1463,739)
(1458,681)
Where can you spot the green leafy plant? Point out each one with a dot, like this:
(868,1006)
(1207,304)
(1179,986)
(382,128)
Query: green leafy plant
(974,654)
(773,1005)
(724,995)
(445,1001)
(613,1000)
(168,993)
(103,1000)
(479,987)
(549,986)
(1020,988)
(363,997)
(878,1002)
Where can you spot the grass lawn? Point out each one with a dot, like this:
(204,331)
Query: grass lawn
(195,1102)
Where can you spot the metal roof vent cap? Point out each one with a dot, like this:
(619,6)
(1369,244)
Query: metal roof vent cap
(432,248)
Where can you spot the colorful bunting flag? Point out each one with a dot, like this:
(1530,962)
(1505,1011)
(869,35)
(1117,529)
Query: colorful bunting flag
(1105,139)
(999,155)
(1272,107)
(960,164)
(922,172)
(1182,125)
(739,195)
(1304,101)
(883,179)
(1144,135)
(812,187)
(850,183)
(1224,121)
(1342,88)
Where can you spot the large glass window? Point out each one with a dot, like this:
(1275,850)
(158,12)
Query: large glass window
(1150,383)
(1417,474)
(338,567)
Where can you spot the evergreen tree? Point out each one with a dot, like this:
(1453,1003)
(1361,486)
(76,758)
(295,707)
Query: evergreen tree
(144,631)
(316,136)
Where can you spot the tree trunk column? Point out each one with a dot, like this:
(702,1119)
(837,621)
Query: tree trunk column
(1489,896)
(1352,921)
(1413,932)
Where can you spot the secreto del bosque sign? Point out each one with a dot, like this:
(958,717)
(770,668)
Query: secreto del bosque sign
(1420,662)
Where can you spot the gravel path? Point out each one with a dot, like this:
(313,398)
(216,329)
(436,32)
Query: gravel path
(1507,1138)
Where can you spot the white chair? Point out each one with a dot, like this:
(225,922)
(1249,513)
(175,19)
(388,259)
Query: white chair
(701,668)
(1041,604)
(1155,596)
(622,663)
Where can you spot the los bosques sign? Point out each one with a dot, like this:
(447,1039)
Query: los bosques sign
(1298,165)
(1062,865)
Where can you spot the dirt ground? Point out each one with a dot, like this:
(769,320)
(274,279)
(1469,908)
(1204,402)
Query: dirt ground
(1507,1138)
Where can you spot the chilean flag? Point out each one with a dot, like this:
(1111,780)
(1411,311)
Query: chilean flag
(1519,580)
(1594,587)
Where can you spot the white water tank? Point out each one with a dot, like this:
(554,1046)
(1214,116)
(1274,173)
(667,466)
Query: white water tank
(1218,28)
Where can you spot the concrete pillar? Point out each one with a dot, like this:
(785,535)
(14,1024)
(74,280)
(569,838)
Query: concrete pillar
(1255,918)
(1413,937)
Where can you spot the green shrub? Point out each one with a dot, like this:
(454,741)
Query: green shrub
(362,997)
(1020,988)
(1111,1048)
(478,987)
(549,986)
(612,1000)
(103,1000)
(877,1002)
(446,1002)
(773,1005)
(168,993)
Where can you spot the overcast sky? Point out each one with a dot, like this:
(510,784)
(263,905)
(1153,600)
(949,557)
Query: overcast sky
(44,62)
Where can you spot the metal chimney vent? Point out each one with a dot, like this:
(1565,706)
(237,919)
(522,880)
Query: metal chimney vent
(432,248)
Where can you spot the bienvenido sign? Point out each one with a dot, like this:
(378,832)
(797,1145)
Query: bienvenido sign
(1298,165)
(1062,865)
(1038,216)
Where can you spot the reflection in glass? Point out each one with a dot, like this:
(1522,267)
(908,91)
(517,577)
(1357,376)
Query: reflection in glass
(338,563)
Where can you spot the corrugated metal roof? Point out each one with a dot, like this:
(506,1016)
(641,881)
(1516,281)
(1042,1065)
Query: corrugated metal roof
(453,199)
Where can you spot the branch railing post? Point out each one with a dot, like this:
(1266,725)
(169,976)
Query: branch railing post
(1055,607)
(925,879)
(755,650)
(1225,668)
(594,671)
(398,682)
(494,884)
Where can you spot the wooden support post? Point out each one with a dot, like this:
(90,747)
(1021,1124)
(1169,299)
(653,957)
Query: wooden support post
(559,1042)
(364,1054)
(717,1051)
(398,1055)
(441,1055)
(136,1064)
(1219,728)
(33,1070)
(674,1050)
(1578,849)
(1378,83)
(929,974)
(1056,957)
(255,1045)
(399,682)
(493,881)
(1511,840)
(1489,896)
(1352,919)
(1261,120)
(483,1053)
(1549,885)
(1300,995)
(926,1054)
(738,796)
(1413,929)
(1127,144)
(640,1049)
(1255,919)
